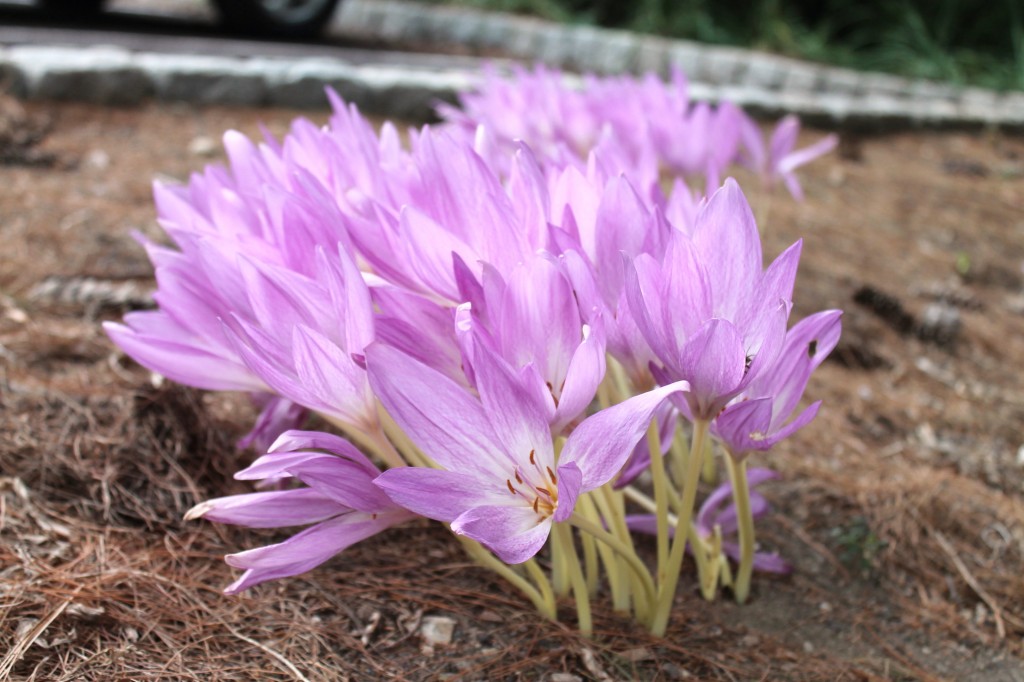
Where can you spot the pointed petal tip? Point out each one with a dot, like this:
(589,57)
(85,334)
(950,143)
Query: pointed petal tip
(198,511)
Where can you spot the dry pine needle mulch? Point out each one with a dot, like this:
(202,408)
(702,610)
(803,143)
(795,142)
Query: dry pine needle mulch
(901,506)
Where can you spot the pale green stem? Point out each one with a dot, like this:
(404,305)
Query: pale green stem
(741,498)
(402,441)
(591,564)
(604,398)
(660,496)
(680,459)
(709,561)
(710,473)
(613,509)
(705,566)
(725,570)
(483,557)
(624,551)
(619,377)
(559,566)
(708,568)
(667,590)
(616,579)
(543,583)
(576,579)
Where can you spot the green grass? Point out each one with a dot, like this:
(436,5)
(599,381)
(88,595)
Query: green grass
(949,40)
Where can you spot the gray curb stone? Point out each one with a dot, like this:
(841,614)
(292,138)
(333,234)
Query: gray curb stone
(764,82)
(112,75)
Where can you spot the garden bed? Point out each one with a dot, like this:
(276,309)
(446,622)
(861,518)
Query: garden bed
(901,506)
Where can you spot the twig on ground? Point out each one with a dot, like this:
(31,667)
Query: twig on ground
(969,578)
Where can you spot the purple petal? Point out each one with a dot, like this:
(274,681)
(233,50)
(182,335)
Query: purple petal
(745,426)
(514,534)
(330,374)
(714,362)
(357,308)
(726,237)
(308,549)
(518,421)
(538,319)
(277,416)
(763,561)
(794,160)
(807,344)
(437,494)
(213,370)
(766,562)
(440,417)
(728,521)
(275,509)
(640,459)
(570,481)
(711,508)
(296,440)
(347,482)
(646,524)
(601,444)
(784,138)
(585,373)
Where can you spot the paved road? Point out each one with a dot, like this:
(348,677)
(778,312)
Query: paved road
(190,29)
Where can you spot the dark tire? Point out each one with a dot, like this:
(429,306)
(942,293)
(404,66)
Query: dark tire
(280,18)
(76,9)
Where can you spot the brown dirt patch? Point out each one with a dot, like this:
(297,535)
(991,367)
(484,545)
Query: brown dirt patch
(902,506)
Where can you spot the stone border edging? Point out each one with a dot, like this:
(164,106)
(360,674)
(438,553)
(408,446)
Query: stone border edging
(757,81)
(114,75)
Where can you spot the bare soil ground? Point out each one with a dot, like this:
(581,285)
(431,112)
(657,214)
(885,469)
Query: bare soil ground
(902,506)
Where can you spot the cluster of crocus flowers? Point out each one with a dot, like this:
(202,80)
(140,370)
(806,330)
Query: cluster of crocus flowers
(640,126)
(502,337)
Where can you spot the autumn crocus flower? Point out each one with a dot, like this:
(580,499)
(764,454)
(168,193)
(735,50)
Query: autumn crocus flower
(532,321)
(340,504)
(780,160)
(760,417)
(713,316)
(640,124)
(305,336)
(498,481)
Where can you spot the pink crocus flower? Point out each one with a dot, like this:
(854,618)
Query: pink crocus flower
(781,160)
(498,481)
(711,313)
(533,322)
(340,504)
(306,337)
(640,125)
(759,418)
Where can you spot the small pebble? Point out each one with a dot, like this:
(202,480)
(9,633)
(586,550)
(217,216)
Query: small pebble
(202,146)
(808,647)
(940,322)
(437,630)
(97,159)
(825,607)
